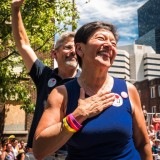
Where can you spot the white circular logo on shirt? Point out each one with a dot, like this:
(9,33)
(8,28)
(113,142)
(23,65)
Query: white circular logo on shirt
(118,100)
(52,82)
(124,94)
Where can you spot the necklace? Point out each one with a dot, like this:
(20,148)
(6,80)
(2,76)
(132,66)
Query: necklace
(90,91)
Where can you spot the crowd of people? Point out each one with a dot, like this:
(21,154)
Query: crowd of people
(14,149)
(153,129)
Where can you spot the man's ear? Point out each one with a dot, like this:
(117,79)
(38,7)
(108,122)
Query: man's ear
(53,54)
(79,49)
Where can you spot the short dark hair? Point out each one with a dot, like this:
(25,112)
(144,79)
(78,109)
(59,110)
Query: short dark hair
(88,29)
(13,140)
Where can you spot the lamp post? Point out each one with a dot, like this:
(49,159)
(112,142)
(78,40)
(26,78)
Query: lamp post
(73,15)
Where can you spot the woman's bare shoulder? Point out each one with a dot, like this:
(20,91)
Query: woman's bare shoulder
(133,96)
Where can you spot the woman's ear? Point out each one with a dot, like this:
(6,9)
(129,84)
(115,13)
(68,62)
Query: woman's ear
(79,49)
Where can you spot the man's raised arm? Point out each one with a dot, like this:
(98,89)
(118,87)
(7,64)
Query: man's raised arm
(20,35)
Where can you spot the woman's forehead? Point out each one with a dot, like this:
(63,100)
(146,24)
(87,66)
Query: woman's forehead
(104,32)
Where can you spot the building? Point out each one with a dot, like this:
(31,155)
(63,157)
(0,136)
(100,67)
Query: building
(148,25)
(149,91)
(143,62)
(144,72)
(121,67)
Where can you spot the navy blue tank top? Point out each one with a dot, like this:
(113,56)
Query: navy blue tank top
(107,136)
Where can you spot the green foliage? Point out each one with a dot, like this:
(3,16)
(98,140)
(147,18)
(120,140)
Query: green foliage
(14,84)
(42,20)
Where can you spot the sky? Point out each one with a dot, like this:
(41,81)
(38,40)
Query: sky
(122,13)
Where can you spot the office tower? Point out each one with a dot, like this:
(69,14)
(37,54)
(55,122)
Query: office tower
(121,67)
(148,25)
(143,63)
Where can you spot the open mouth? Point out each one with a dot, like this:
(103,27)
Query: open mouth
(103,53)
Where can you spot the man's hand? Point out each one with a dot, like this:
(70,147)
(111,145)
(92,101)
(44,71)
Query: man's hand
(17,3)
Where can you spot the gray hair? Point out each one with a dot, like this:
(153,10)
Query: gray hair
(64,36)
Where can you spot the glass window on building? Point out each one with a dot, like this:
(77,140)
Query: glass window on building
(159,91)
(153,92)
(153,109)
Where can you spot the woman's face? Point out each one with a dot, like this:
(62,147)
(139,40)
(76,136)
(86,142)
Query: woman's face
(9,147)
(100,48)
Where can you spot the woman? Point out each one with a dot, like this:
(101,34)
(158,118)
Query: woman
(151,131)
(100,117)
(21,154)
(3,149)
(156,121)
(8,153)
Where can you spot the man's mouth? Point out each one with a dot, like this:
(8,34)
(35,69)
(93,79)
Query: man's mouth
(71,59)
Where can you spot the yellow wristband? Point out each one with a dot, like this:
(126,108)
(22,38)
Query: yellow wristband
(67,126)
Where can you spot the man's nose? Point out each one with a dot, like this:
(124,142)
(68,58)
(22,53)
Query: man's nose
(73,50)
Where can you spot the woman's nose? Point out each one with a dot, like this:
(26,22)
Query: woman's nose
(107,44)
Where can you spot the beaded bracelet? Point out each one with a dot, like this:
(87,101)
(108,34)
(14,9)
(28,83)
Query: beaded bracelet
(67,126)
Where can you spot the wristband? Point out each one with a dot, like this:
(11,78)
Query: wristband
(76,123)
(67,126)
(71,124)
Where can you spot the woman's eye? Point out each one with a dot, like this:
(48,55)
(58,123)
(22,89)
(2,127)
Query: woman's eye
(114,44)
(100,38)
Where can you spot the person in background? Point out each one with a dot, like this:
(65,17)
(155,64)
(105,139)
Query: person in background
(21,154)
(156,146)
(3,149)
(44,77)
(156,121)
(157,156)
(158,133)
(97,115)
(21,144)
(29,154)
(9,155)
(15,147)
(21,150)
(145,113)
(10,138)
(151,131)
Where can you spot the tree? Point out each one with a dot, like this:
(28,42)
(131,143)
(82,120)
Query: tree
(42,20)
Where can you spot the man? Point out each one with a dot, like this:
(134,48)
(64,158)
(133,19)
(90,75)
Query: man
(44,78)
(10,138)
(15,147)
